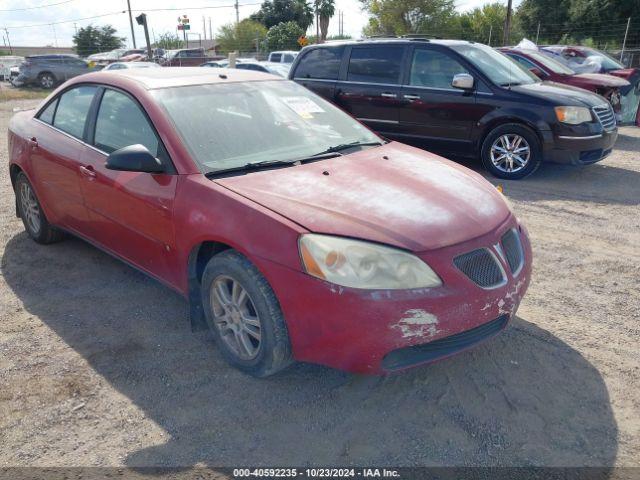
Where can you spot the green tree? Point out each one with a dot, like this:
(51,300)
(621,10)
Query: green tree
(246,36)
(484,24)
(284,36)
(169,41)
(274,12)
(400,17)
(90,40)
(552,15)
(325,9)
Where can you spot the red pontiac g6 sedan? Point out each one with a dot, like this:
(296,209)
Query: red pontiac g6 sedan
(293,231)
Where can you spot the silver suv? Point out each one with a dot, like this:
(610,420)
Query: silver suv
(48,70)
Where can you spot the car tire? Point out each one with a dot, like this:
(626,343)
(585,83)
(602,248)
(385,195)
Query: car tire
(511,151)
(46,80)
(248,328)
(33,217)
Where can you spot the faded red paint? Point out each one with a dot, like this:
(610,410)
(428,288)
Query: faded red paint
(395,194)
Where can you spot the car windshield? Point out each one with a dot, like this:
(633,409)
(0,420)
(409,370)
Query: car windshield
(551,64)
(500,69)
(227,126)
(608,62)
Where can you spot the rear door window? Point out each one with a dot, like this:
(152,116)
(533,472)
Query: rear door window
(434,69)
(73,107)
(379,64)
(121,123)
(276,57)
(321,63)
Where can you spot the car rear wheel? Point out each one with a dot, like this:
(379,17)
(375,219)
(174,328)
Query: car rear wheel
(46,80)
(34,220)
(511,151)
(244,315)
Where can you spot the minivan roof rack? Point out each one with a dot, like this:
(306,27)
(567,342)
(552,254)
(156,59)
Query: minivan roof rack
(412,37)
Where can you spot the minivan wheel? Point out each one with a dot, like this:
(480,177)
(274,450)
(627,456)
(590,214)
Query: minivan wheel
(511,151)
(34,220)
(46,80)
(244,315)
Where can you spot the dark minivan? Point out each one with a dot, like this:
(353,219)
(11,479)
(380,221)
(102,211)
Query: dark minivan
(462,99)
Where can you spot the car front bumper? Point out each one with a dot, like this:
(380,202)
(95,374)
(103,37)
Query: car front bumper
(578,150)
(383,331)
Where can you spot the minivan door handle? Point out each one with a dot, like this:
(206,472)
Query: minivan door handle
(412,97)
(388,95)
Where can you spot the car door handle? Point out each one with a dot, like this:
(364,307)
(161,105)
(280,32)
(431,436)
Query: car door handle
(412,97)
(388,95)
(87,171)
(33,141)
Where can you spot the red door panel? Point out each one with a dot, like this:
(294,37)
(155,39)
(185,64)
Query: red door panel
(131,213)
(55,159)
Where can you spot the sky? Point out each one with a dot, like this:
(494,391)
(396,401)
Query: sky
(53,22)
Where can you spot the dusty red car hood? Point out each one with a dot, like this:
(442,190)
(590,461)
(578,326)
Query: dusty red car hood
(598,80)
(413,199)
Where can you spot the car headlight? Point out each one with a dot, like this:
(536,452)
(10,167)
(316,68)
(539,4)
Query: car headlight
(358,264)
(573,115)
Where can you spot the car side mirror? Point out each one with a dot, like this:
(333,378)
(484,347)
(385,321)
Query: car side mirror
(463,81)
(134,158)
(537,72)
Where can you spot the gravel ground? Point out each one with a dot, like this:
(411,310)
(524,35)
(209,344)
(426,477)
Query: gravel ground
(98,365)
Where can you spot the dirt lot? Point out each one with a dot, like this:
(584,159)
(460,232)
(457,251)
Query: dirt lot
(98,365)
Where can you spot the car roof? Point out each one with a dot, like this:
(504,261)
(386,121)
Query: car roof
(165,77)
(392,40)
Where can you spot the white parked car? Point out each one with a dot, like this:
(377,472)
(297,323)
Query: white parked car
(284,56)
(124,65)
(6,63)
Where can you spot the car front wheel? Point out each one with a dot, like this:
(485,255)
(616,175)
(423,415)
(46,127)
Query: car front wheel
(511,151)
(244,315)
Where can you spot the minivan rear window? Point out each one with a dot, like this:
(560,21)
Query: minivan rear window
(321,63)
(379,64)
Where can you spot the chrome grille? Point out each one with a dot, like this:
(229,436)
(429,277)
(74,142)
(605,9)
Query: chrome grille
(482,267)
(513,250)
(605,115)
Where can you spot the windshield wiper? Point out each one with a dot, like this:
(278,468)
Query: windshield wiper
(345,146)
(271,163)
(510,84)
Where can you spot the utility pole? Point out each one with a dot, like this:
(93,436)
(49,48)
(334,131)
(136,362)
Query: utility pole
(507,24)
(237,12)
(204,28)
(490,32)
(133,35)
(142,20)
(75,27)
(317,24)
(210,30)
(624,42)
(55,37)
(8,40)
(538,33)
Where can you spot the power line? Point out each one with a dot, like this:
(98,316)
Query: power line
(35,8)
(15,27)
(232,5)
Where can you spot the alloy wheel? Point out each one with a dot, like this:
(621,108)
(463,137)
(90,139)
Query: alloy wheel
(235,317)
(46,81)
(30,208)
(510,153)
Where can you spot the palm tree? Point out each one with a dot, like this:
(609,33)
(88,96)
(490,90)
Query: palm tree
(325,9)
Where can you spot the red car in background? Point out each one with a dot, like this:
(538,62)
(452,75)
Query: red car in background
(579,55)
(293,231)
(550,70)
